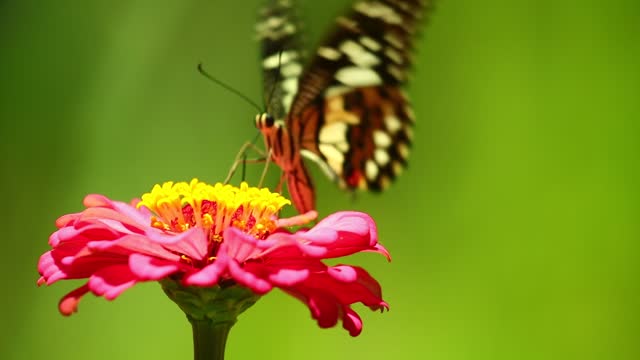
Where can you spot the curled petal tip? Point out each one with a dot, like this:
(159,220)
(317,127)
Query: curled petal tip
(64,220)
(68,306)
(95,200)
(382,250)
(69,303)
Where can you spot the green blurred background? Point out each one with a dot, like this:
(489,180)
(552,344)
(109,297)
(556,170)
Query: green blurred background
(514,233)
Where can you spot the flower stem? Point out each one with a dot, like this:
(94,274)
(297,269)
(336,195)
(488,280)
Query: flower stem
(209,339)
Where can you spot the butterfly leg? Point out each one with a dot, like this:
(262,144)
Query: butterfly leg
(266,167)
(281,181)
(241,159)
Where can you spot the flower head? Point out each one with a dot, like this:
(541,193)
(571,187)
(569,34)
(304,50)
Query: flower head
(194,235)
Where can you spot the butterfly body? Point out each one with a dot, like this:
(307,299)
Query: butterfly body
(285,147)
(344,109)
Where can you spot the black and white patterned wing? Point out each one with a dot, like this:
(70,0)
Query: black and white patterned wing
(364,129)
(278,30)
(370,46)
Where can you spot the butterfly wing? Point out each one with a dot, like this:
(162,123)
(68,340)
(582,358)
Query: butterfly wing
(364,123)
(278,30)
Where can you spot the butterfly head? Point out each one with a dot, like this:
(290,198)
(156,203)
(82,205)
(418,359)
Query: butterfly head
(265,121)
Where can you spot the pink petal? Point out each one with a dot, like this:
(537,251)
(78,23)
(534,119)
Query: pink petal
(133,243)
(209,275)
(69,303)
(343,273)
(96,200)
(324,310)
(340,234)
(380,250)
(322,234)
(329,297)
(248,279)
(241,246)
(113,219)
(357,223)
(289,277)
(129,211)
(351,322)
(284,271)
(66,220)
(111,281)
(364,288)
(192,242)
(146,267)
(296,240)
(54,266)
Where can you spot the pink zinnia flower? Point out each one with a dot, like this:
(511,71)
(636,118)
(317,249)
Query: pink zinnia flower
(199,235)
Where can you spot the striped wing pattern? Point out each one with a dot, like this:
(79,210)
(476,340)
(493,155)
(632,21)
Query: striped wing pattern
(279,33)
(345,109)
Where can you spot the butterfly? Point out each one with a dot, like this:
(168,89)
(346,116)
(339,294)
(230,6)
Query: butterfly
(341,107)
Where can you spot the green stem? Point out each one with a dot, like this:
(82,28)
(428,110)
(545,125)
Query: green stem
(209,339)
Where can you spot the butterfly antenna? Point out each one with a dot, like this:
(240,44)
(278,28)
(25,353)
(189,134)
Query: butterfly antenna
(204,73)
(275,83)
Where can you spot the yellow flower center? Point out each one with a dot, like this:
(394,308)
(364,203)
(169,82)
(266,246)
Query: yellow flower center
(181,206)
